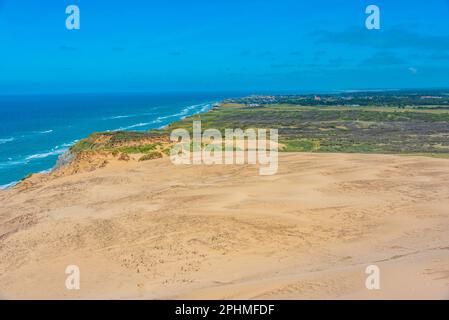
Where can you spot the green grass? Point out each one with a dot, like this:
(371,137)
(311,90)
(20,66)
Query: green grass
(146,148)
(368,129)
(83,145)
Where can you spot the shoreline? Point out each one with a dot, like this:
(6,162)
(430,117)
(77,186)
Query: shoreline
(244,112)
(207,107)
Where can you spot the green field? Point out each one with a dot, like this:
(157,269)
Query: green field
(367,129)
(338,129)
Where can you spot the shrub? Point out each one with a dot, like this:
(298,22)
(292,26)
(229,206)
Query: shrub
(151,156)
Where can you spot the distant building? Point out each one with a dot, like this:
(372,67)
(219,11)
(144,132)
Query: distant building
(431,97)
(317,98)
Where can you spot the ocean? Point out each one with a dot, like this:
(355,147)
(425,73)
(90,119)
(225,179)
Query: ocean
(36,129)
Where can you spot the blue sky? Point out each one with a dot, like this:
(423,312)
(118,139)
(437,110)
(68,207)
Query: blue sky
(257,46)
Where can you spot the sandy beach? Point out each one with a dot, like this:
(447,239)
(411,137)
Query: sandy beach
(153,230)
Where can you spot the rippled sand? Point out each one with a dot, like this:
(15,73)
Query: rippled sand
(155,230)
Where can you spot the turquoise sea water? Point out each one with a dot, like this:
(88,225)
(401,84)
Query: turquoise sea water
(36,129)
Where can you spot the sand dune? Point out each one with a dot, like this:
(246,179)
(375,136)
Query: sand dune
(154,230)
